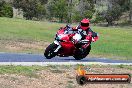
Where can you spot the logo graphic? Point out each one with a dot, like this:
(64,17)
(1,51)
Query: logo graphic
(83,78)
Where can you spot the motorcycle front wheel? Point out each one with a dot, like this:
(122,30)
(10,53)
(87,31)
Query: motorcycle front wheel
(49,52)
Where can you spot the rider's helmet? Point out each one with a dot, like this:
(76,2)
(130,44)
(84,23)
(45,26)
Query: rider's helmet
(84,24)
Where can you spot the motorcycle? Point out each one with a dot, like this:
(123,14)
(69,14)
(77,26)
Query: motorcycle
(64,44)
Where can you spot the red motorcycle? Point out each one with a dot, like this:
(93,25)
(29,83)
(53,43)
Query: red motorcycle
(64,44)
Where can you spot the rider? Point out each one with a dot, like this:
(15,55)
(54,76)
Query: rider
(84,29)
(84,36)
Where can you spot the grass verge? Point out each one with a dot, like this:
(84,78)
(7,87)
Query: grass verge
(30,71)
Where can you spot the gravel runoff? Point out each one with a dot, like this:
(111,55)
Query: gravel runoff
(62,77)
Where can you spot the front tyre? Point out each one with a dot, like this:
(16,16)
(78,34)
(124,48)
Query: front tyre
(49,52)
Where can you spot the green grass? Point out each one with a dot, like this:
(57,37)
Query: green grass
(30,71)
(17,29)
(114,42)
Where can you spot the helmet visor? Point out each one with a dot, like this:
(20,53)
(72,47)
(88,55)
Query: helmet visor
(84,24)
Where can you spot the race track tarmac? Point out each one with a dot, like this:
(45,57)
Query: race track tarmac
(20,58)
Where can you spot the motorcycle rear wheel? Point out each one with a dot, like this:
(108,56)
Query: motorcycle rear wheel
(49,52)
(79,55)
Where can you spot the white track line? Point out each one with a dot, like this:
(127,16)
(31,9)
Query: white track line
(59,63)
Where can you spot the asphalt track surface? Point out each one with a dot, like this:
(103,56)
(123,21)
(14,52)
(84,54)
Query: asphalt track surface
(31,59)
(11,58)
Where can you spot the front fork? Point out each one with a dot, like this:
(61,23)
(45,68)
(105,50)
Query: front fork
(59,46)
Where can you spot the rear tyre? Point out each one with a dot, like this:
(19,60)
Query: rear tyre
(87,51)
(77,57)
(49,52)
(80,54)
